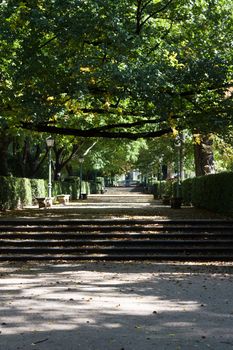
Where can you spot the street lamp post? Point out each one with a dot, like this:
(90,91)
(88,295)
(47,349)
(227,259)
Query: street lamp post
(81,160)
(160,175)
(50,144)
(176,200)
(178,145)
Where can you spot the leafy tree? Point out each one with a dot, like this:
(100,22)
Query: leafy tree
(116,69)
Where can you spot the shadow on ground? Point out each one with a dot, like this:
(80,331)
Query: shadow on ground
(117,202)
(130,306)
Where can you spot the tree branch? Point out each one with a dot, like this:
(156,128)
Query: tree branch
(155,13)
(94,133)
(48,41)
(130,125)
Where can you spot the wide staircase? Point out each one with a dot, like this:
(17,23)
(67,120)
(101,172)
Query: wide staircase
(116,239)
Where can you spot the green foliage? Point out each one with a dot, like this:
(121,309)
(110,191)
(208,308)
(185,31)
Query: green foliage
(100,65)
(168,188)
(86,187)
(14,192)
(158,189)
(162,189)
(186,191)
(213,192)
(20,192)
(176,190)
(7,186)
(97,186)
(38,188)
(113,158)
(102,62)
(25,191)
(56,188)
(72,186)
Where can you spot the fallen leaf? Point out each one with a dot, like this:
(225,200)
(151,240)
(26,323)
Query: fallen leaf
(40,341)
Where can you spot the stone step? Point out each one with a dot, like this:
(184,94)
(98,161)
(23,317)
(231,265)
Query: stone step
(107,250)
(116,240)
(114,221)
(116,235)
(113,242)
(112,228)
(161,257)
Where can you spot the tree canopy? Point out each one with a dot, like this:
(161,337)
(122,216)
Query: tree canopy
(116,69)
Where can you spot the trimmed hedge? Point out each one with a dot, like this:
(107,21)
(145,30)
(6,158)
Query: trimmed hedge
(97,186)
(186,191)
(7,188)
(163,188)
(38,187)
(213,192)
(72,186)
(14,192)
(19,192)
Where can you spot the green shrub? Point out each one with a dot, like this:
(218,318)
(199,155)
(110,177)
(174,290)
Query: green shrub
(156,189)
(69,187)
(14,192)
(162,189)
(56,188)
(18,192)
(97,186)
(213,192)
(186,191)
(176,189)
(5,192)
(23,188)
(168,188)
(72,186)
(87,187)
(38,188)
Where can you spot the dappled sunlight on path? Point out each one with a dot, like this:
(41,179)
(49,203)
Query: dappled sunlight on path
(131,306)
(116,202)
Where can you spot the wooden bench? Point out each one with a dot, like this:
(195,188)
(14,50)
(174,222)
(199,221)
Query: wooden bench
(63,198)
(44,202)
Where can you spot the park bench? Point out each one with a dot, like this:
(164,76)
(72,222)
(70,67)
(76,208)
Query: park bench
(44,202)
(63,198)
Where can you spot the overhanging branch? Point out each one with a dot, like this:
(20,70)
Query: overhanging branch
(94,133)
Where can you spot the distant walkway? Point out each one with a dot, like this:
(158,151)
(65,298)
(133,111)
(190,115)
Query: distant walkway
(124,202)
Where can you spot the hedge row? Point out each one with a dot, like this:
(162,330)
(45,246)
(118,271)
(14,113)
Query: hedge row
(166,189)
(20,192)
(72,187)
(213,192)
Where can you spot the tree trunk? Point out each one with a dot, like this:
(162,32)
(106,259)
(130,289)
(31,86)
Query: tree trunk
(4,144)
(203,155)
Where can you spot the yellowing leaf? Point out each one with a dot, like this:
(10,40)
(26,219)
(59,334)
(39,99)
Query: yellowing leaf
(85,69)
(50,98)
(197,139)
(175,132)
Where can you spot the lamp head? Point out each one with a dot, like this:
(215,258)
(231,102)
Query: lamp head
(50,142)
(177,141)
